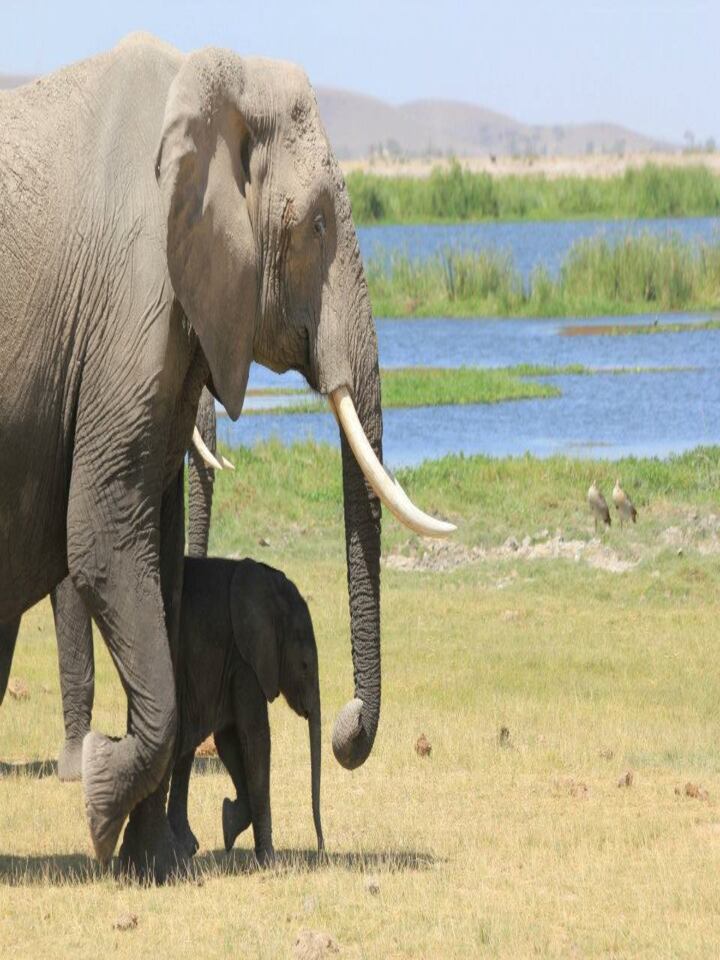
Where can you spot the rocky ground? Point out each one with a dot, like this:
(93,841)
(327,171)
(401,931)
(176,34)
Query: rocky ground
(695,531)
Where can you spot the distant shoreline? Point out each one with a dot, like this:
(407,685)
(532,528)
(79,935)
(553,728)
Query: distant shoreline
(601,166)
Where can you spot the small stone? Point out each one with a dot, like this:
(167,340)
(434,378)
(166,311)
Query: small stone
(572,787)
(126,921)
(314,945)
(680,551)
(18,689)
(263,542)
(626,780)
(511,544)
(527,542)
(423,747)
(695,791)
(372,885)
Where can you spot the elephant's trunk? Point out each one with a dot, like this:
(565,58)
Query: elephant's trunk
(201,480)
(315,760)
(356,724)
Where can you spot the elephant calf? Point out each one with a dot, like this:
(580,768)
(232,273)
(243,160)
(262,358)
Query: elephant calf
(245,636)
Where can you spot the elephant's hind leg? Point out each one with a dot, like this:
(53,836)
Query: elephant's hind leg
(8,636)
(77,674)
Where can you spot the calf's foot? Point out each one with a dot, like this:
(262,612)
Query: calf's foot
(235,818)
(150,851)
(185,836)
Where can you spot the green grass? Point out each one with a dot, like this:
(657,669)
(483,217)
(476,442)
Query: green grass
(528,849)
(448,196)
(638,275)
(487,497)
(430,386)
(439,386)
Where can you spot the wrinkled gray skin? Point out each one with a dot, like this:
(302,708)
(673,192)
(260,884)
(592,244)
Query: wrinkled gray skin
(164,218)
(245,636)
(73,625)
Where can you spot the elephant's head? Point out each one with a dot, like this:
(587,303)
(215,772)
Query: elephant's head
(263,257)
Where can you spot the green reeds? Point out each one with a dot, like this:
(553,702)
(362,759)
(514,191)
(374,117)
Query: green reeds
(454,194)
(636,275)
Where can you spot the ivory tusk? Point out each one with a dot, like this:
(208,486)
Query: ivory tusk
(204,451)
(227,463)
(387,489)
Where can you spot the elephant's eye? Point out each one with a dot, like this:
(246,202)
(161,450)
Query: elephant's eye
(319,225)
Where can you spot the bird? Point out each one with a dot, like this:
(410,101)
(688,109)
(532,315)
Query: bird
(623,504)
(598,506)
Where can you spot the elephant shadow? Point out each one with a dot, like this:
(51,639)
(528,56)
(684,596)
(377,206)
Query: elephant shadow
(77,868)
(241,861)
(33,768)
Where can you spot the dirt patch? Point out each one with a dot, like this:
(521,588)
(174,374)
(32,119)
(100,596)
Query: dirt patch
(442,556)
(314,945)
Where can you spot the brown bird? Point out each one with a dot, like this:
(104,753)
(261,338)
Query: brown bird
(623,504)
(598,506)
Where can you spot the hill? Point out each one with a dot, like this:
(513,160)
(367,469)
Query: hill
(359,126)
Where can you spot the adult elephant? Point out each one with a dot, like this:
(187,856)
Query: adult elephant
(166,219)
(73,625)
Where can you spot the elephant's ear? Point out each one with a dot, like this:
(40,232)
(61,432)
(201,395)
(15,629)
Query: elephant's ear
(202,168)
(254,615)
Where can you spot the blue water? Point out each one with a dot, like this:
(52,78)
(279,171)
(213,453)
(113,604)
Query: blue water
(530,244)
(604,415)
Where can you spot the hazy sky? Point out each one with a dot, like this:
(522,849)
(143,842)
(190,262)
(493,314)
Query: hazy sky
(653,65)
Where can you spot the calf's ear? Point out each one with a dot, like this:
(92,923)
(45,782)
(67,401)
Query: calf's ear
(255,619)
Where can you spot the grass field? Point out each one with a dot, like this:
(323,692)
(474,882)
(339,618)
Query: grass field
(456,193)
(440,386)
(513,844)
(639,275)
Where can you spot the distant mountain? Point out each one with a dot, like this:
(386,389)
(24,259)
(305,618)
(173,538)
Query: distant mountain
(359,126)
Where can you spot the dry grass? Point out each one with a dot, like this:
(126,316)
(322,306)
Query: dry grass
(586,165)
(505,844)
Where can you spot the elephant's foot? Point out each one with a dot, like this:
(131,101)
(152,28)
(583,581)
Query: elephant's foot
(100,778)
(150,851)
(70,761)
(235,818)
(185,836)
(265,855)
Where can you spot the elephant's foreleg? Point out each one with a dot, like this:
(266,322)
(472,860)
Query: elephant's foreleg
(149,845)
(253,728)
(236,815)
(77,674)
(123,582)
(8,636)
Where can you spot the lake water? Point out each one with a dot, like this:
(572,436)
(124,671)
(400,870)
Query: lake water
(604,415)
(530,244)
